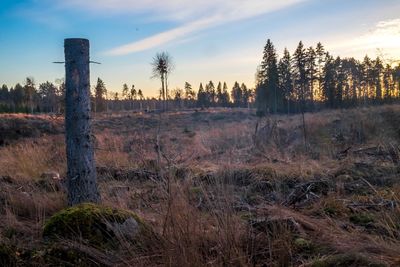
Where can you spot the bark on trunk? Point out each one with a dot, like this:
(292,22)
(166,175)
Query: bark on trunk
(81,173)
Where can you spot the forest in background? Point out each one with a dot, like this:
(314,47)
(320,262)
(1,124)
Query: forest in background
(310,79)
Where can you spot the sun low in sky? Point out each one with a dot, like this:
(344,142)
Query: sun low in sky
(215,40)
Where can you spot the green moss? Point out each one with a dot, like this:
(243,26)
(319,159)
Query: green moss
(362,219)
(91,223)
(331,211)
(246,216)
(303,244)
(345,260)
(196,190)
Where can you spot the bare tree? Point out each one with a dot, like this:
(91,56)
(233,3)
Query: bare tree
(162,67)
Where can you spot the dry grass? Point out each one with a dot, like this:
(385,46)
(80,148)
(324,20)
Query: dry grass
(223,194)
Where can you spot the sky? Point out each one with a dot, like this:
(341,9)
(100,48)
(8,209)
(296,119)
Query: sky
(218,40)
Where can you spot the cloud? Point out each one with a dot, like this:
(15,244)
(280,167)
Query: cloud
(194,15)
(177,9)
(162,38)
(384,36)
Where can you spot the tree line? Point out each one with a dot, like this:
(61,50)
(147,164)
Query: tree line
(311,79)
(49,97)
(29,98)
(307,80)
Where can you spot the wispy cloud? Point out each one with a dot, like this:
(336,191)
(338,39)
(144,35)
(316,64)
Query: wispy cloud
(384,36)
(194,16)
(163,37)
(178,9)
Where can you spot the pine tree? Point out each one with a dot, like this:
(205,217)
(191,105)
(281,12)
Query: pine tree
(329,81)
(388,83)
(237,95)
(18,97)
(340,79)
(48,97)
(300,74)
(140,94)
(29,93)
(125,91)
(320,53)
(225,96)
(311,69)
(201,97)
(189,92)
(355,79)
(100,95)
(396,78)
(268,93)
(367,80)
(210,92)
(245,95)
(5,99)
(377,70)
(162,66)
(219,94)
(285,77)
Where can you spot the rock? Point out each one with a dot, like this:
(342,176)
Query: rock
(100,226)
(128,229)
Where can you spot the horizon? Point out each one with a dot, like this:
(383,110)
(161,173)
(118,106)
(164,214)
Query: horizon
(224,45)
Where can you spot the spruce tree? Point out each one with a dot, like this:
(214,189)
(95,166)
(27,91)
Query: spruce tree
(311,69)
(225,95)
(388,85)
(219,94)
(245,95)
(377,70)
(268,94)
(210,92)
(320,59)
(201,97)
(29,93)
(237,95)
(125,91)
(100,95)
(329,81)
(300,74)
(285,77)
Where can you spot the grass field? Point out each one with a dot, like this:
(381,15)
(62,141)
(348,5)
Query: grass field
(219,187)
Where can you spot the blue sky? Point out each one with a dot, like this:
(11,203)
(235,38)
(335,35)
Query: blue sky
(219,40)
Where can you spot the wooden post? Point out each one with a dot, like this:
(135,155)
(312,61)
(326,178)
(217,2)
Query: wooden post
(81,173)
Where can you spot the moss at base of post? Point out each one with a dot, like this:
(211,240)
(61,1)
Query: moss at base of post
(100,226)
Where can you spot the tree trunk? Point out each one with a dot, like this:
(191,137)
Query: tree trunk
(81,173)
(166,91)
(163,91)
